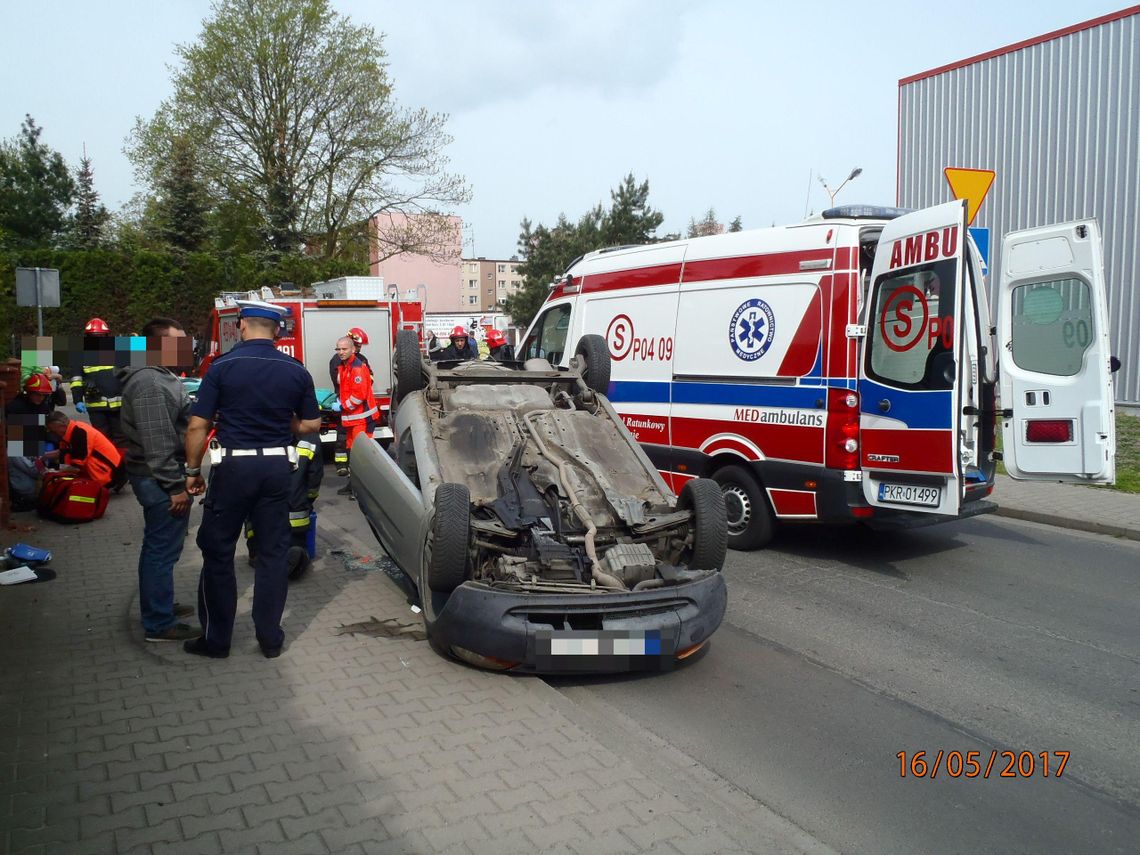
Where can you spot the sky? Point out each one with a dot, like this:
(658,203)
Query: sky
(735,105)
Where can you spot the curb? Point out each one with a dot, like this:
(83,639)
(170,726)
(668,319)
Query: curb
(1065,522)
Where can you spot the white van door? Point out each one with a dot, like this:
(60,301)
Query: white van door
(1055,379)
(912,362)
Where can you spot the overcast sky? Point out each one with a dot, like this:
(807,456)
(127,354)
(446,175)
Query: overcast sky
(737,105)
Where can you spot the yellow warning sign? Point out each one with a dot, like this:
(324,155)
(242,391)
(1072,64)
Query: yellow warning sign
(971,185)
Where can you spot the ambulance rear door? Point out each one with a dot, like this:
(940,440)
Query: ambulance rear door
(1055,379)
(911,364)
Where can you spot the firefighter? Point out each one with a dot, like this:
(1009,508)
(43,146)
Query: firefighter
(340,450)
(304,489)
(95,390)
(359,414)
(499,350)
(24,416)
(461,347)
(83,447)
(261,399)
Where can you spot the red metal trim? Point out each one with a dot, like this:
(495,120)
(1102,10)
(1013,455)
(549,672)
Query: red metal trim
(1016,46)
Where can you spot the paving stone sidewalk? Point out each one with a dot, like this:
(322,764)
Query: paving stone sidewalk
(347,743)
(1093,509)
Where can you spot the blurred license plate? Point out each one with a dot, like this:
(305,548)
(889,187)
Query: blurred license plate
(909,494)
(599,643)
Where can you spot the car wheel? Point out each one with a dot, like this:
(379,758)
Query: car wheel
(594,359)
(409,365)
(750,521)
(450,538)
(710,527)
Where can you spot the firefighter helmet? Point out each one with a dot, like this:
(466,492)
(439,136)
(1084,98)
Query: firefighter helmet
(97,326)
(495,338)
(458,332)
(359,336)
(38,383)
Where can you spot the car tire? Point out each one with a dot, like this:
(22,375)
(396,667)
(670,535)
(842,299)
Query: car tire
(451,536)
(710,525)
(409,365)
(594,359)
(750,520)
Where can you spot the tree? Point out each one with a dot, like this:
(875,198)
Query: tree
(709,225)
(87,227)
(737,224)
(291,113)
(182,205)
(547,252)
(36,190)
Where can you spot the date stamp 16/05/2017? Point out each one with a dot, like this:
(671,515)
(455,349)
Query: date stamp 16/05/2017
(979,764)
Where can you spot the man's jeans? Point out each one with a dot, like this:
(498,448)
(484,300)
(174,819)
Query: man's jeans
(163,536)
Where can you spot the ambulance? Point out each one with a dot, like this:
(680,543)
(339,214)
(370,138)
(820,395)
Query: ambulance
(846,368)
(311,329)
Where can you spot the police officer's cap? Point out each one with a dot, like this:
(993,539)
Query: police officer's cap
(261,309)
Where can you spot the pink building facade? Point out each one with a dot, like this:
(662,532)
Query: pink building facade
(435,279)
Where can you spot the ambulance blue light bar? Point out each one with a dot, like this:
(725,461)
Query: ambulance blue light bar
(864,212)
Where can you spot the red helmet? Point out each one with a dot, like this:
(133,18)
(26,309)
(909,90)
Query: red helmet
(458,331)
(495,338)
(97,326)
(358,335)
(38,383)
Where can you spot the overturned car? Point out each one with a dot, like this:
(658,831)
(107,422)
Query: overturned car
(533,531)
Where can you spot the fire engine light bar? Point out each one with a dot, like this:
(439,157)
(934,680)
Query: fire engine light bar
(1049,430)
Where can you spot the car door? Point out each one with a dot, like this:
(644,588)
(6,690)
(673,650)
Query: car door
(392,505)
(1055,378)
(911,364)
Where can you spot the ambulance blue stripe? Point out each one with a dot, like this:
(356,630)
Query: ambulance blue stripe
(695,392)
(926,410)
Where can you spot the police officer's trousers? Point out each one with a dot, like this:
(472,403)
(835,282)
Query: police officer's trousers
(241,488)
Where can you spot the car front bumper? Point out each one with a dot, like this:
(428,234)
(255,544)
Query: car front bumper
(575,633)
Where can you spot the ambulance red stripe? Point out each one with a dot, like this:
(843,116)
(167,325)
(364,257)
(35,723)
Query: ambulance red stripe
(917,450)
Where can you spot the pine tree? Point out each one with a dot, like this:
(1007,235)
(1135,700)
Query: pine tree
(737,224)
(36,189)
(182,204)
(88,225)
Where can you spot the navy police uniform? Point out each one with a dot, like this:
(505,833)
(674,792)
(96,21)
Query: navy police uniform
(254,391)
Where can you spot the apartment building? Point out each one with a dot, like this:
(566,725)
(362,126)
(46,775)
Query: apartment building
(489,281)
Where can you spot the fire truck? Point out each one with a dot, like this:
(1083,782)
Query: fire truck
(314,323)
(845,368)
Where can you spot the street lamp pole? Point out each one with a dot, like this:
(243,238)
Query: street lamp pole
(855,173)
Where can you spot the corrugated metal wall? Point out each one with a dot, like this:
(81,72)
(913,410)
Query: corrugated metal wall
(1059,122)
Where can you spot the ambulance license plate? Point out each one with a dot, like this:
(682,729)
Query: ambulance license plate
(909,494)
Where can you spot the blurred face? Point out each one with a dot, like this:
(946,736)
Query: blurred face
(460,341)
(56,429)
(36,398)
(344,349)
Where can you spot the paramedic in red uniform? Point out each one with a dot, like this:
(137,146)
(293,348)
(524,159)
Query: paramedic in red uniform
(359,414)
(87,450)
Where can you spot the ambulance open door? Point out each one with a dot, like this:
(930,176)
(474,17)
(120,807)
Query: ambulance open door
(1055,375)
(911,364)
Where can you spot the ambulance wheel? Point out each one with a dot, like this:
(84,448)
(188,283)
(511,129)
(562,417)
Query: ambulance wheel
(409,367)
(446,555)
(750,521)
(710,524)
(594,359)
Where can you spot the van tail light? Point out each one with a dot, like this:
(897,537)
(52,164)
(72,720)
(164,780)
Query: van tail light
(1049,430)
(842,433)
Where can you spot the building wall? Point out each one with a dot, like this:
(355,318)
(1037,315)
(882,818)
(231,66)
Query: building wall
(1058,119)
(497,279)
(441,280)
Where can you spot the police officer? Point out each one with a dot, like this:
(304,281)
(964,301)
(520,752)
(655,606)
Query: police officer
(264,399)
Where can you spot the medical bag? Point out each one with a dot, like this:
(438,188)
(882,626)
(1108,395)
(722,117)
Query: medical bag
(72,499)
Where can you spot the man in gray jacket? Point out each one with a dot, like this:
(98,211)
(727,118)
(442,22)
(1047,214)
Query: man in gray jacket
(155,413)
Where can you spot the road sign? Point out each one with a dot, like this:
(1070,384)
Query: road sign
(982,241)
(971,185)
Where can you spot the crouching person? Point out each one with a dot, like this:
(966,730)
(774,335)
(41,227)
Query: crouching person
(84,449)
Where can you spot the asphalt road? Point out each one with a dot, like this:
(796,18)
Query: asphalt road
(843,647)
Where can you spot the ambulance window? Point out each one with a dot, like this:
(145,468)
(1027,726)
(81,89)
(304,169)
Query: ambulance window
(911,333)
(1052,326)
(548,340)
